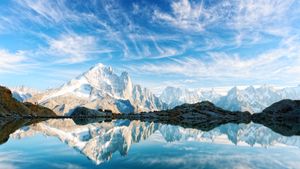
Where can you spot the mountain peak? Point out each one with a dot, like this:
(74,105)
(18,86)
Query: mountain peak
(266,86)
(97,66)
(250,89)
(101,87)
(234,90)
(101,67)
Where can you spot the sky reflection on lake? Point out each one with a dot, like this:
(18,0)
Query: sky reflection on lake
(123,144)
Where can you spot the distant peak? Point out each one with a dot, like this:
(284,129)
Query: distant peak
(172,88)
(102,67)
(233,90)
(98,65)
(250,88)
(124,74)
(266,86)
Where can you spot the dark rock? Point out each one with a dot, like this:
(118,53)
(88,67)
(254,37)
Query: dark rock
(284,108)
(203,115)
(282,117)
(86,112)
(89,120)
(38,110)
(83,115)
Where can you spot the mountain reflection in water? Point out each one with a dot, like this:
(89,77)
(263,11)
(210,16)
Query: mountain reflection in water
(99,141)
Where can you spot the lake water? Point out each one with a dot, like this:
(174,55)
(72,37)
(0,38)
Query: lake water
(143,145)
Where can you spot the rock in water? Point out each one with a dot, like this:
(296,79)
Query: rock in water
(86,112)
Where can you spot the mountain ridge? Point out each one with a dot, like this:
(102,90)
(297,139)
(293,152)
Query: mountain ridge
(100,87)
(252,99)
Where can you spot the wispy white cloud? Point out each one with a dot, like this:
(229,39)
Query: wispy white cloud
(185,15)
(49,11)
(253,18)
(247,20)
(276,64)
(13,62)
(196,39)
(255,14)
(252,14)
(135,8)
(72,48)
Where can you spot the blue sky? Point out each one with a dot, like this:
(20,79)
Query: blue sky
(184,43)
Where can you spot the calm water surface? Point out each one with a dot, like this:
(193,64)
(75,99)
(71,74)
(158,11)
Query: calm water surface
(134,144)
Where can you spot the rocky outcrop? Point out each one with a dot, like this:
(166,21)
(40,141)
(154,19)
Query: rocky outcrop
(83,115)
(86,112)
(282,117)
(289,109)
(203,115)
(10,107)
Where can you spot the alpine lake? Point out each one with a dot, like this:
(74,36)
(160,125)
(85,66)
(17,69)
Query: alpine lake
(127,144)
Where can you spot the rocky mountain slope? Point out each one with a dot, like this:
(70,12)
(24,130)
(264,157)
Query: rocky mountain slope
(10,107)
(22,93)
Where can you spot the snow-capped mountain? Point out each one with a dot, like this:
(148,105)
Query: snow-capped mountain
(256,99)
(252,99)
(100,87)
(177,96)
(22,93)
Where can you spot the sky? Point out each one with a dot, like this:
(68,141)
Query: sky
(181,43)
